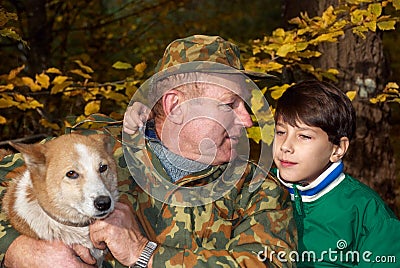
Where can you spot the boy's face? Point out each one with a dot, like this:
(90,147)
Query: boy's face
(302,153)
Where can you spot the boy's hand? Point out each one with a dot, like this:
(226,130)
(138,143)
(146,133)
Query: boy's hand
(135,117)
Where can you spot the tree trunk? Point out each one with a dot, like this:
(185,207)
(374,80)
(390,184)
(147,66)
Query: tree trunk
(36,32)
(362,67)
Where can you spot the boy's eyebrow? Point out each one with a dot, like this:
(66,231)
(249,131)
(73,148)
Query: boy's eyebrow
(299,128)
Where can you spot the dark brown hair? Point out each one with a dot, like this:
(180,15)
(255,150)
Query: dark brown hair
(318,104)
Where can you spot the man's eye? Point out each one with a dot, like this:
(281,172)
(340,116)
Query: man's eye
(227,106)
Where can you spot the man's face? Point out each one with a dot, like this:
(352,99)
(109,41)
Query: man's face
(212,125)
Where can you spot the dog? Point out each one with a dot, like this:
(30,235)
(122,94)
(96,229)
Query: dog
(67,183)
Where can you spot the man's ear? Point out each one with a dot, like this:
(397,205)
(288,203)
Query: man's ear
(172,105)
(340,150)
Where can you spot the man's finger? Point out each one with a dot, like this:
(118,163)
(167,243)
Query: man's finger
(84,254)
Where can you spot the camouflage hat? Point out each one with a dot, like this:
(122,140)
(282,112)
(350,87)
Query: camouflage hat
(204,48)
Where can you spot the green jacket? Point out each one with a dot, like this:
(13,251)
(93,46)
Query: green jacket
(230,232)
(343,223)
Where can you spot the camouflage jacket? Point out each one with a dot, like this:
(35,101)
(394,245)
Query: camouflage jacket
(243,228)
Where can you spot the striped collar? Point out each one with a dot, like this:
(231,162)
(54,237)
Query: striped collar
(325,182)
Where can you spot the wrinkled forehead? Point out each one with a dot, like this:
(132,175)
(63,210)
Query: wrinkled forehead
(236,84)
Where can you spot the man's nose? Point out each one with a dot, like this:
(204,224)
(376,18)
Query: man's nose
(243,117)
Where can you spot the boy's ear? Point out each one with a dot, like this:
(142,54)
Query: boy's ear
(340,150)
(173,109)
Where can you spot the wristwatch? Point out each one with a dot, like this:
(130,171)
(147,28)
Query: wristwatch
(145,256)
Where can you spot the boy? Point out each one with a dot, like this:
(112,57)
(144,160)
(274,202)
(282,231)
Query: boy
(341,222)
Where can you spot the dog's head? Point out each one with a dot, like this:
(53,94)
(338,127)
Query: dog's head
(74,177)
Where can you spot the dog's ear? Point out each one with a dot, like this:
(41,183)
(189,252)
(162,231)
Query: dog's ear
(106,140)
(33,154)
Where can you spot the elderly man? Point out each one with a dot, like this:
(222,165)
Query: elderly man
(191,200)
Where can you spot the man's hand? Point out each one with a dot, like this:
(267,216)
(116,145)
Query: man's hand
(29,252)
(120,232)
(135,117)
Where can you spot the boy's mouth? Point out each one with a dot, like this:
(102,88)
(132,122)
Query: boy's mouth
(286,163)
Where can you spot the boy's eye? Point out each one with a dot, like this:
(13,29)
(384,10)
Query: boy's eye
(279,132)
(305,137)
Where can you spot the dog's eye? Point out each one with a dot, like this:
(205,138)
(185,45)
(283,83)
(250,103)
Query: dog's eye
(103,168)
(72,174)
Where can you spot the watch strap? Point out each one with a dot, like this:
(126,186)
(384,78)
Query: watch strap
(145,256)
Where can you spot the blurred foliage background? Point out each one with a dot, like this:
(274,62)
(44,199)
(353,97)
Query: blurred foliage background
(64,60)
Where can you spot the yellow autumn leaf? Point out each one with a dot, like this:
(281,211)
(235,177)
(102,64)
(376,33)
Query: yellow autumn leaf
(7,101)
(48,124)
(371,25)
(277,91)
(285,49)
(83,66)
(13,73)
(31,84)
(60,79)
(110,94)
(254,133)
(53,70)
(43,80)
(121,65)
(60,87)
(279,32)
(130,89)
(80,73)
(387,25)
(351,94)
(6,87)
(333,71)
(268,133)
(92,107)
(392,85)
(33,104)
(375,9)
(396,4)
(257,100)
(19,97)
(140,67)
(3,120)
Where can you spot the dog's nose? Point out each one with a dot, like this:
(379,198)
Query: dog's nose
(102,202)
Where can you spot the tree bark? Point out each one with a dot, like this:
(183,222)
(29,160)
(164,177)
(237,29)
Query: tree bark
(362,67)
